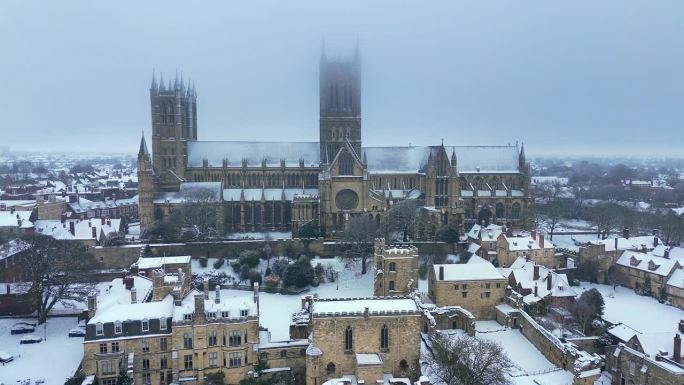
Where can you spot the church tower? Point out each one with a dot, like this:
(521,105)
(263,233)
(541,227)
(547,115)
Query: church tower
(340,105)
(174,123)
(145,187)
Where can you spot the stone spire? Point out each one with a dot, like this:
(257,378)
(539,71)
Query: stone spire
(143,146)
(162,86)
(182,84)
(153,86)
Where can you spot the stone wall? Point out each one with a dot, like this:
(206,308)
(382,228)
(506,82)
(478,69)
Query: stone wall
(481,296)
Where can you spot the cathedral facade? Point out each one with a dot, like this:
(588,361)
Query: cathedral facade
(280,186)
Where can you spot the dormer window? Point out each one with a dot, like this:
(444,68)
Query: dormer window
(634,261)
(211,314)
(224,314)
(145,325)
(243,312)
(117,328)
(162,323)
(652,266)
(98,329)
(187,317)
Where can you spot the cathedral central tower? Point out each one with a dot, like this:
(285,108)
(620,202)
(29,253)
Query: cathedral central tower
(340,104)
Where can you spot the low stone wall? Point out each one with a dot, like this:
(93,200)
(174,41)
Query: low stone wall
(588,344)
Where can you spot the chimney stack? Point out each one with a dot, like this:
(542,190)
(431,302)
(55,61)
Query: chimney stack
(92,305)
(536,290)
(541,241)
(549,284)
(134,295)
(72,228)
(616,243)
(666,253)
(102,221)
(677,348)
(533,234)
(8,287)
(205,284)
(129,282)
(199,307)
(655,241)
(94,231)
(535,275)
(625,233)
(441,273)
(217,296)
(256,292)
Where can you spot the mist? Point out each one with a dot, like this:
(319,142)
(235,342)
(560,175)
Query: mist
(565,77)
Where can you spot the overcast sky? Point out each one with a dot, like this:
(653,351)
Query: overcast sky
(565,77)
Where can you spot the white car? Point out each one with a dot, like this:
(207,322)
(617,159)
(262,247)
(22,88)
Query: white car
(30,339)
(5,357)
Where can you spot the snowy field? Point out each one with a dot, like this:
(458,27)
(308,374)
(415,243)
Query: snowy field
(276,309)
(53,360)
(531,367)
(642,313)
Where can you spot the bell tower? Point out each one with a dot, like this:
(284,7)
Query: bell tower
(174,123)
(340,105)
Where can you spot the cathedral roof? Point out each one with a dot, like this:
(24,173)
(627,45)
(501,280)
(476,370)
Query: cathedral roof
(253,152)
(471,159)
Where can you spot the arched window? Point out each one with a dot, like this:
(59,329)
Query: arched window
(384,337)
(348,339)
(500,210)
(392,266)
(515,210)
(346,164)
(403,365)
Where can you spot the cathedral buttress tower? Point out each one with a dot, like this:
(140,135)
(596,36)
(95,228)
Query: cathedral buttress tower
(340,105)
(145,186)
(174,122)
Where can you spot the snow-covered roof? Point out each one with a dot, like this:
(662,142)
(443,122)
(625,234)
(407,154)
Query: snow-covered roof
(468,272)
(231,301)
(253,153)
(114,301)
(470,159)
(673,252)
(647,242)
(677,279)
(368,359)
(647,262)
(269,194)
(12,247)
(83,229)
(266,343)
(526,243)
(139,311)
(145,263)
(15,219)
(523,273)
(622,332)
(359,305)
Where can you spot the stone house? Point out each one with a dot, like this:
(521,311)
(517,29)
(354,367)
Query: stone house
(539,285)
(605,252)
(534,247)
(645,272)
(675,288)
(486,237)
(368,339)
(476,286)
(646,359)
(396,269)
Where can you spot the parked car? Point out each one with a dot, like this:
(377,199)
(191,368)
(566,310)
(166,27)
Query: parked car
(77,332)
(23,328)
(5,357)
(30,339)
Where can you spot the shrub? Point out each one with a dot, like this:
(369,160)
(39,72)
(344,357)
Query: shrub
(236,266)
(309,230)
(244,271)
(271,281)
(279,266)
(422,271)
(214,378)
(249,257)
(203,261)
(319,271)
(299,274)
(218,263)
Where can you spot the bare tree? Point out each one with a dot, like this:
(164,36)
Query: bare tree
(553,214)
(400,218)
(466,360)
(359,234)
(198,215)
(56,272)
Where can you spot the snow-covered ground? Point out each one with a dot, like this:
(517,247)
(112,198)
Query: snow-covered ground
(531,367)
(256,235)
(571,242)
(642,313)
(566,225)
(276,309)
(53,360)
